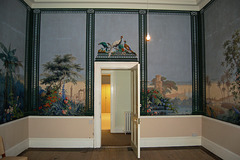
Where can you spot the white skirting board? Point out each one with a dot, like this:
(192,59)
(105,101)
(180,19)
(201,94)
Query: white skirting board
(145,142)
(219,150)
(61,142)
(18,148)
(170,141)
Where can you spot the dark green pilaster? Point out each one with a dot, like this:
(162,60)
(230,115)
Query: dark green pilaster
(143,59)
(202,69)
(28,49)
(90,34)
(196,93)
(35,58)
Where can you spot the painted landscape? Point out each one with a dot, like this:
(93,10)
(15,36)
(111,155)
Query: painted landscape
(169,86)
(223,94)
(11,85)
(166,97)
(62,93)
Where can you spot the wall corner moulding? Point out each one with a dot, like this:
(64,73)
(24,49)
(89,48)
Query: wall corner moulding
(188,5)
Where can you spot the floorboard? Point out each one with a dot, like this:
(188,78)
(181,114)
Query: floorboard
(115,139)
(124,153)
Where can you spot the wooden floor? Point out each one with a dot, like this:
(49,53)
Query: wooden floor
(176,153)
(115,139)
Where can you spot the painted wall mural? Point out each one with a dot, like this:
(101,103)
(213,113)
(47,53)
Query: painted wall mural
(222,41)
(116,50)
(62,64)
(12,59)
(169,65)
(111,26)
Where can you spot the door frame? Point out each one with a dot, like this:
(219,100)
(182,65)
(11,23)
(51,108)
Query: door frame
(99,66)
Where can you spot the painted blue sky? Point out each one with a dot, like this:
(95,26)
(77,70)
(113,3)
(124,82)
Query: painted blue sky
(169,51)
(222,19)
(63,34)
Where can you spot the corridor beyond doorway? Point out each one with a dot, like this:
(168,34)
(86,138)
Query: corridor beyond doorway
(106,103)
(109,136)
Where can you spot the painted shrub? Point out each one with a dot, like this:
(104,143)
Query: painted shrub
(169,65)
(12,59)
(62,74)
(222,37)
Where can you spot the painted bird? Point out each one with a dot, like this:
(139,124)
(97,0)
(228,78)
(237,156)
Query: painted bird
(128,47)
(121,47)
(104,44)
(114,45)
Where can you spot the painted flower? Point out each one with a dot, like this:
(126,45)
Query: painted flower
(70,108)
(149,110)
(66,98)
(11,109)
(40,107)
(64,111)
(65,101)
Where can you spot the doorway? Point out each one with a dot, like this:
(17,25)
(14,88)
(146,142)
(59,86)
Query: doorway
(106,103)
(134,69)
(116,105)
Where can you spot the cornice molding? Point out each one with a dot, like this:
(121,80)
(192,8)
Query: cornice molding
(189,5)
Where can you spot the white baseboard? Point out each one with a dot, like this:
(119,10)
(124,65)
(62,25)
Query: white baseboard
(219,150)
(18,148)
(117,130)
(61,142)
(170,141)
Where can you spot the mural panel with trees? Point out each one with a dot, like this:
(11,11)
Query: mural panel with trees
(169,65)
(222,41)
(62,64)
(12,59)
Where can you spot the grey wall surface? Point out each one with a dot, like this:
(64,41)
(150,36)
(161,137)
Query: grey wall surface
(110,26)
(61,34)
(13,27)
(169,51)
(222,19)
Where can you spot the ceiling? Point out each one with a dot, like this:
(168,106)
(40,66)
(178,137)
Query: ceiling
(189,5)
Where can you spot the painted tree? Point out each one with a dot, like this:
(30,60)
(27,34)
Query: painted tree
(232,63)
(209,84)
(11,64)
(61,70)
(168,86)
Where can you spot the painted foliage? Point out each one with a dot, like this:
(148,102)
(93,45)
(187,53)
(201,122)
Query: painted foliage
(62,68)
(169,65)
(12,59)
(223,61)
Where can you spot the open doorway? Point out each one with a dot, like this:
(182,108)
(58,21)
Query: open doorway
(134,95)
(115,106)
(106,103)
